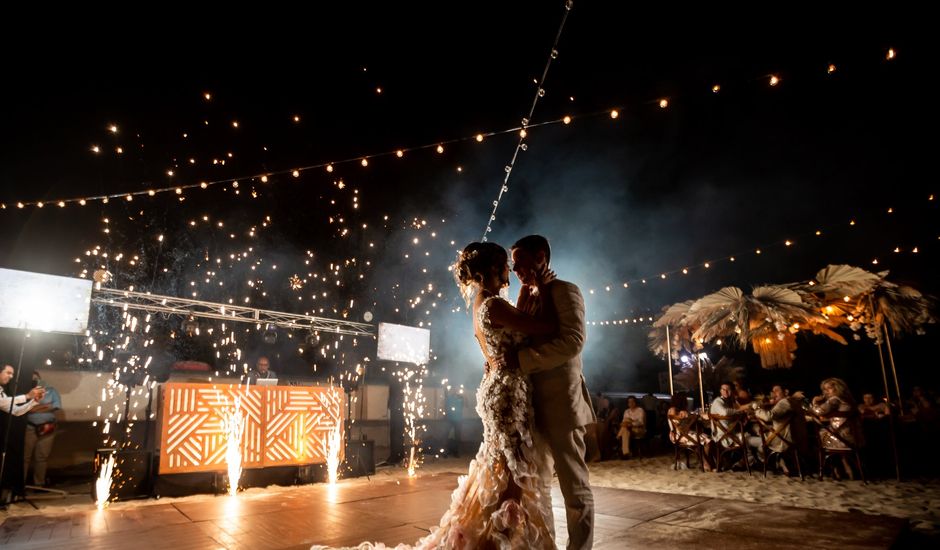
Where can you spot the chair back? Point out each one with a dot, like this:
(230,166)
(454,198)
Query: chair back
(728,431)
(850,420)
(798,431)
(685,430)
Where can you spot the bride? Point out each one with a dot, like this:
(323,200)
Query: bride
(500,502)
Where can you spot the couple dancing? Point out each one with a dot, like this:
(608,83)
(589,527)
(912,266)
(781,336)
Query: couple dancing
(533,402)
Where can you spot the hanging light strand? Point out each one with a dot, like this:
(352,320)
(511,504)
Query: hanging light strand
(661,103)
(523,133)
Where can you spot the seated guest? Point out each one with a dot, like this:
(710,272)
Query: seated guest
(837,404)
(633,425)
(603,407)
(724,405)
(916,401)
(779,417)
(777,393)
(678,410)
(741,396)
(609,428)
(870,409)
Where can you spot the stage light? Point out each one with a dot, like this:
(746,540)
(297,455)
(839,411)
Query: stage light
(312,339)
(190,327)
(270,334)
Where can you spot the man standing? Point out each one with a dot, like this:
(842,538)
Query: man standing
(262,370)
(40,432)
(11,466)
(560,396)
(20,404)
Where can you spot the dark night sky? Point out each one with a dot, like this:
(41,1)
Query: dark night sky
(655,190)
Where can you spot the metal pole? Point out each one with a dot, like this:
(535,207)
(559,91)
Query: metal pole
(884,379)
(669,361)
(894,370)
(894,443)
(881,357)
(701,387)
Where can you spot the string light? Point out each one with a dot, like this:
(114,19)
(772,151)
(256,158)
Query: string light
(663,103)
(329,166)
(521,145)
(642,322)
(891,54)
(774,80)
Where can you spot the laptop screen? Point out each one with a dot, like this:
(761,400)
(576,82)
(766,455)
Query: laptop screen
(267,382)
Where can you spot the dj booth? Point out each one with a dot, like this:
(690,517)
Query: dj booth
(284,440)
(283,425)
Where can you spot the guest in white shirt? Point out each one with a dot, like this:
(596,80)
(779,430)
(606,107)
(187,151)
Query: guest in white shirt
(23,403)
(633,425)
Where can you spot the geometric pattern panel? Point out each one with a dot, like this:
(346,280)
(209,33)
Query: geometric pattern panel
(283,425)
(300,421)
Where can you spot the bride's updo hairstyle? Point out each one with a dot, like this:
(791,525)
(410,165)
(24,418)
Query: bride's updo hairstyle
(475,263)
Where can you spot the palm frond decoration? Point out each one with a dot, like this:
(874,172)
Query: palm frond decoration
(674,317)
(845,280)
(905,309)
(770,316)
(722,314)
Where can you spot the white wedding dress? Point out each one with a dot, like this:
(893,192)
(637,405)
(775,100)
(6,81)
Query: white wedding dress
(482,513)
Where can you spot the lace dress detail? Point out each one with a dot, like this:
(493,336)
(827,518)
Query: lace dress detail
(479,514)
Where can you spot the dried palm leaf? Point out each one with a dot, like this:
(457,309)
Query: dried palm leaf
(674,317)
(722,314)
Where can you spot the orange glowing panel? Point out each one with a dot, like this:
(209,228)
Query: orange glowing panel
(284,425)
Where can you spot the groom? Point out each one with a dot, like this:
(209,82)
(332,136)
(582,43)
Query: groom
(559,394)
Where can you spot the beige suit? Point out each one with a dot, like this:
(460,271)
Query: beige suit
(562,403)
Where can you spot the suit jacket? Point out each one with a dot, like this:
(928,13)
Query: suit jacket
(559,394)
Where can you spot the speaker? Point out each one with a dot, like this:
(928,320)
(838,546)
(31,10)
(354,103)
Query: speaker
(132,476)
(360,459)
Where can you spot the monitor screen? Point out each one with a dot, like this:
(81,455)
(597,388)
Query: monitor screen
(48,303)
(403,343)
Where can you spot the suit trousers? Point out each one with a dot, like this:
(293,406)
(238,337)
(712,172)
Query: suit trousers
(565,455)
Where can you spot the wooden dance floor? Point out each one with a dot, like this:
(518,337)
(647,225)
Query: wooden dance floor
(393,512)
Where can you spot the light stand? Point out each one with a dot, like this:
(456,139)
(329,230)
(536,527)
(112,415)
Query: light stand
(53,493)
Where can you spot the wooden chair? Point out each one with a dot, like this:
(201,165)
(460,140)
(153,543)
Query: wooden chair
(637,444)
(825,453)
(687,436)
(728,436)
(769,435)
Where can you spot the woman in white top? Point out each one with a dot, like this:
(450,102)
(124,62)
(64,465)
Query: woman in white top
(633,425)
